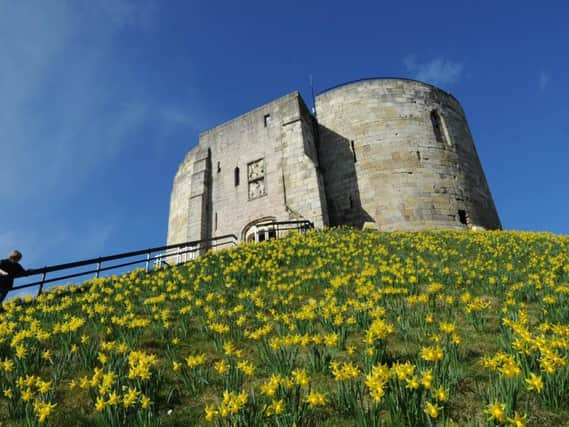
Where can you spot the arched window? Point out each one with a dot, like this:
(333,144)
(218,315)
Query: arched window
(439,128)
(259,230)
(236,173)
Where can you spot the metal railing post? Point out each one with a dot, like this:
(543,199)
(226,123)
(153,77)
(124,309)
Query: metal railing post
(41,284)
(147,264)
(98,272)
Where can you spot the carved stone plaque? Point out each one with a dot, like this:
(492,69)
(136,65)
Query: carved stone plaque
(256,189)
(256,170)
(256,178)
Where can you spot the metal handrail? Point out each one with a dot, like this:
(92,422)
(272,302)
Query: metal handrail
(304,222)
(185,248)
(182,251)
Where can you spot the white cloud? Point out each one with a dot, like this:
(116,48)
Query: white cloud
(52,97)
(542,80)
(438,71)
(64,111)
(68,100)
(71,103)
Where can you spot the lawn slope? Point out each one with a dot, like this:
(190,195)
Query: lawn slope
(336,327)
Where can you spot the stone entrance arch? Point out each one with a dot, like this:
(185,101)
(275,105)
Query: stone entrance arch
(259,230)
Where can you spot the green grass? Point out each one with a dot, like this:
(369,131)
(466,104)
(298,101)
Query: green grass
(345,276)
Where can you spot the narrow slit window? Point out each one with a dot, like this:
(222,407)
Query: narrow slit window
(216,221)
(462,217)
(436,121)
(354,151)
(267,120)
(439,128)
(218,167)
(236,177)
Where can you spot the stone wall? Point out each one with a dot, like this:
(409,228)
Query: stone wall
(178,221)
(395,152)
(305,196)
(400,153)
(263,166)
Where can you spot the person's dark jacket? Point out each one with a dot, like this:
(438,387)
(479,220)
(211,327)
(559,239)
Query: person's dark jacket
(14,269)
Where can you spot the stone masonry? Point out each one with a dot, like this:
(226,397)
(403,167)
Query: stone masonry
(398,153)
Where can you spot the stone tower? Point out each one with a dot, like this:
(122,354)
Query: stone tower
(392,151)
(400,153)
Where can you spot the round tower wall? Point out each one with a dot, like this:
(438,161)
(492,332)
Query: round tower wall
(400,153)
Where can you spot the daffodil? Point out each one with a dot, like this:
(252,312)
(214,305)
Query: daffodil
(432,410)
(534,382)
(315,399)
(496,411)
(517,420)
(432,354)
(130,397)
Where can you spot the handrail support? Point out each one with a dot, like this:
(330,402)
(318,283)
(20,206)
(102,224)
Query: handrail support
(147,264)
(41,284)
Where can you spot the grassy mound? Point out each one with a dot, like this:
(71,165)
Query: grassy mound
(338,328)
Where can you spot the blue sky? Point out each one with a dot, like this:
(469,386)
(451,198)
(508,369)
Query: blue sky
(100,100)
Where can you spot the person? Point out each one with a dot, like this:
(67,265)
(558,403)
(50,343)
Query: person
(9,269)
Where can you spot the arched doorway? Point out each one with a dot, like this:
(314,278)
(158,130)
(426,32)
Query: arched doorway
(259,230)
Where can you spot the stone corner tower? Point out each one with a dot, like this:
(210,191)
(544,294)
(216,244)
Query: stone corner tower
(400,153)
